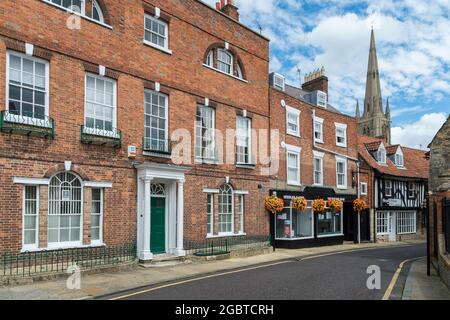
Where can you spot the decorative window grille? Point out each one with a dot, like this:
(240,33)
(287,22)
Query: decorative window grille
(406,222)
(65,209)
(226,210)
(157,190)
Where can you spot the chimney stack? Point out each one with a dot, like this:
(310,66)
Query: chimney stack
(229,8)
(316,80)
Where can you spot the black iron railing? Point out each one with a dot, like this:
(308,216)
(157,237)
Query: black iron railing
(100,137)
(56,261)
(157,146)
(221,246)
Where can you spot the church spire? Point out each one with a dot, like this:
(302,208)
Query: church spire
(388,109)
(358,114)
(373,101)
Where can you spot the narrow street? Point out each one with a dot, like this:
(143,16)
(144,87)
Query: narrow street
(339,276)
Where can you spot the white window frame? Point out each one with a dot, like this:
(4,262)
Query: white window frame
(297,114)
(319,121)
(228,53)
(164,48)
(336,234)
(100,240)
(106,133)
(406,222)
(247,137)
(66,244)
(210,215)
(318,156)
(70,9)
(210,59)
(413,189)
(228,213)
(99,10)
(29,120)
(399,158)
(344,161)
(166,115)
(241,212)
(203,157)
(363,188)
(276,77)
(383,222)
(278,237)
(297,152)
(381,154)
(386,183)
(343,127)
(27,247)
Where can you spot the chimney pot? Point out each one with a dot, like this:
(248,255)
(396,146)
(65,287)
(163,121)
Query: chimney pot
(228,8)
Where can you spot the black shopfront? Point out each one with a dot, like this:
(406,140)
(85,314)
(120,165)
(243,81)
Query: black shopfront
(293,229)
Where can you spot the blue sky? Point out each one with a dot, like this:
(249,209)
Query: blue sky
(413,46)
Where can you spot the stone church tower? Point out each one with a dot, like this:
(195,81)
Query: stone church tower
(374,122)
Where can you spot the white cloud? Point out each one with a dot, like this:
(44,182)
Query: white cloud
(419,134)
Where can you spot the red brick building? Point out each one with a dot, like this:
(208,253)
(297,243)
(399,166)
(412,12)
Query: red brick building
(92,97)
(318,159)
(396,185)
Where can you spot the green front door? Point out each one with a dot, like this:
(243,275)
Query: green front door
(158,226)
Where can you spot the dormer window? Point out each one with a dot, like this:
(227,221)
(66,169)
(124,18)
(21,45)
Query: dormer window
(399,158)
(380,155)
(224,60)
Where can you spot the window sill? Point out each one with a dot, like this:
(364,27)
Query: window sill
(225,235)
(294,239)
(249,166)
(297,135)
(156,155)
(165,50)
(57,247)
(227,74)
(79,14)
(319,141)
(341,145)
(330,235)
(294,184)
(206,161)
(342,187)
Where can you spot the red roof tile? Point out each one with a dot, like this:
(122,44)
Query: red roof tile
(416,161)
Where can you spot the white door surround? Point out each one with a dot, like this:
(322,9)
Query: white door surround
(173,178)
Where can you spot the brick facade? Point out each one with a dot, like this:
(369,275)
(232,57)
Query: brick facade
(193,27)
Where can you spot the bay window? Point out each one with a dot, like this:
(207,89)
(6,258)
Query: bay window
(27,91)
(100,104)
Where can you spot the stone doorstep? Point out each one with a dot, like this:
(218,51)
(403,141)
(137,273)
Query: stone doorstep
(50,276)
(164,260)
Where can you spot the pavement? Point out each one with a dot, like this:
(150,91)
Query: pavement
(419,286)
(109,283)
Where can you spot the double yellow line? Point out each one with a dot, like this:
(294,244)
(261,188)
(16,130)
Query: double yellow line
(393,282)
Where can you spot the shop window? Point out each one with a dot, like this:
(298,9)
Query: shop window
(291,224)
(406,222)
(382,223)
(329,223)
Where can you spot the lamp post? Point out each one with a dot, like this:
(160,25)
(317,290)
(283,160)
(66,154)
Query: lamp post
(358,163)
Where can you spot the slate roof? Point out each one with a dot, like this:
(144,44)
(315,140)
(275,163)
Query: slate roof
(299,94)
(416,161)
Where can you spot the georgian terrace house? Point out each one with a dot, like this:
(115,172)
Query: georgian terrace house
(318,159)
(91,94)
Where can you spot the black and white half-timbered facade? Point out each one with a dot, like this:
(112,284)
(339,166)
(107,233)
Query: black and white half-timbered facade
(400,184)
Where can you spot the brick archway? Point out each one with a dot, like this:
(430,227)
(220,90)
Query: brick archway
(60,167)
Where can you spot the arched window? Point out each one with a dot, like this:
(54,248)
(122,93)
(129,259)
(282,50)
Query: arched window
(158,190)
(65,209)
(226,210)
(224,60)
(97,13)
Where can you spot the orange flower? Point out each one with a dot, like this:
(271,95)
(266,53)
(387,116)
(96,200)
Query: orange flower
(359,205)
(335,204)
(299,203)
(318,205)
(274,204)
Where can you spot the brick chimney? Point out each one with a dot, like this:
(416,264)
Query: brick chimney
(229,8)
(316,80)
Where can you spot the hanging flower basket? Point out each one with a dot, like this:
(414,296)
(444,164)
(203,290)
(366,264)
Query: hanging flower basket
(359,205)
(299,203)
(274,204)
(319,205)
(335,205)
